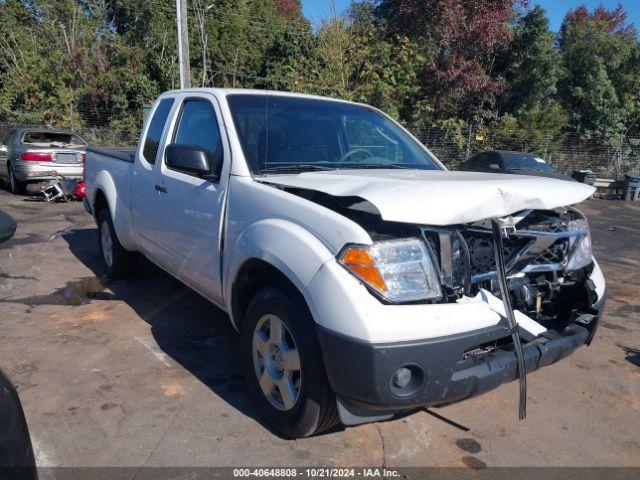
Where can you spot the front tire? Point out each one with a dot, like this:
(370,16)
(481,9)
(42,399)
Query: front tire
(119,263)
(16,187)
(283,366)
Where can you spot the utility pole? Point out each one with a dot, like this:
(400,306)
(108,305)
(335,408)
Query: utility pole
(183,44)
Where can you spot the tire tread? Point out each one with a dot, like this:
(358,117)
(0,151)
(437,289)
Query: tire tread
(318,414)
(125,262)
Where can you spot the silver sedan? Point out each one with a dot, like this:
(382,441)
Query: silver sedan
(38,154)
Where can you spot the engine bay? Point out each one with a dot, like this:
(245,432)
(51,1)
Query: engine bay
(545,281)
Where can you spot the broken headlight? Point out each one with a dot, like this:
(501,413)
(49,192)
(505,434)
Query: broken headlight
(397,270)
(581,253)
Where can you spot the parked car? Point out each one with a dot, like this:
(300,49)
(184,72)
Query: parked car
(16,453)
(515,163)
(7,226)
(37,154)
(360,273)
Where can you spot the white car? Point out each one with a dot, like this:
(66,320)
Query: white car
(364,278)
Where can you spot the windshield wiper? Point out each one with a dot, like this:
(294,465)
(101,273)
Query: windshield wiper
(296,168)
(378,166)
(528,170)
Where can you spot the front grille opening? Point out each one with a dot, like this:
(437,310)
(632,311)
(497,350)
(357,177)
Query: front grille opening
(482,253)
(556,253)
(480,350)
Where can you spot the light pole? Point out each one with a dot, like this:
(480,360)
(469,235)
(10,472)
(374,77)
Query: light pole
(183,44)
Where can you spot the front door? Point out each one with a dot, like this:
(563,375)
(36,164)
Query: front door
(192,207)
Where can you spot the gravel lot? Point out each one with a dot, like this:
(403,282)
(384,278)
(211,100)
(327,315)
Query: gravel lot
(145,372)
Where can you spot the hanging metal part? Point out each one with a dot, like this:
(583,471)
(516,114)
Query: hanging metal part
(464,247)
(501,228)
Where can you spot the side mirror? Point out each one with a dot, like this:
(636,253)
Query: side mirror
(494,166)
(192,160)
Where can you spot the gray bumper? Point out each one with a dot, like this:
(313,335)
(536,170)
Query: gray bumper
(448,368)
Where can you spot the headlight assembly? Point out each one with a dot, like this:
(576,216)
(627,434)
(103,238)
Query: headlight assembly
(581,253)
(397,270)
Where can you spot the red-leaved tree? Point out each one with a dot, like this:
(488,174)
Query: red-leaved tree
(289,9)
(613,21)
(459,38)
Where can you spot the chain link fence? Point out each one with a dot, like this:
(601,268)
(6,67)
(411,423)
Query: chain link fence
(610,158)
(97,129)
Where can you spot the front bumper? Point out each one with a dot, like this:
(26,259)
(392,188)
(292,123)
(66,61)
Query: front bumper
(361,373)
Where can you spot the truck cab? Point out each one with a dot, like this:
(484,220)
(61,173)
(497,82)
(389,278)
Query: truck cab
(364,279)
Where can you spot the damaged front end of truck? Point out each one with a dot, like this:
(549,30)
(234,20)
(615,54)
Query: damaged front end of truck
(532,266)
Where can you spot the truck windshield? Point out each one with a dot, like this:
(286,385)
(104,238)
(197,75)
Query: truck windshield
(280,134)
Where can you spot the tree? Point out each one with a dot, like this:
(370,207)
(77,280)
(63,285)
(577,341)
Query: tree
(241,37)
(600,56)
(459,41)
(530,66)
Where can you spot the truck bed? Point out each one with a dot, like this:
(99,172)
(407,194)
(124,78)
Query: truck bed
(111,170)
(126,154)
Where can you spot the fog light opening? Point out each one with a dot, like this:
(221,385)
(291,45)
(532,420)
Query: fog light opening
(406,380)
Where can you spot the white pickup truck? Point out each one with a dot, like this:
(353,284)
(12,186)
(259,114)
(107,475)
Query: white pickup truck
(364,278)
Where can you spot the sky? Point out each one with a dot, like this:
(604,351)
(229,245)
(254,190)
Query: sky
(315,10)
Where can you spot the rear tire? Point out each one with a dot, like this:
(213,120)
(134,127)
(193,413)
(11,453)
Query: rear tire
(119,263)
(16,187)
(310,407)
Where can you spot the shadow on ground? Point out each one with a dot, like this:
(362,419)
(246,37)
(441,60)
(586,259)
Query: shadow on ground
(188,328)
(632,355)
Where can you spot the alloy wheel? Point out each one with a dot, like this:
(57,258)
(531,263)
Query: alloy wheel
(277,362)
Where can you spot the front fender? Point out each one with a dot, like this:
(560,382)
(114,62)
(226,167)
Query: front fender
(290,248)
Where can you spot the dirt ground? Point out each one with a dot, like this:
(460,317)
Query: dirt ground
(145,372)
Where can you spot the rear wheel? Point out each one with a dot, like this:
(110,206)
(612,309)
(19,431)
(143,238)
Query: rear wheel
(120,263)
(283,366)
(15,186)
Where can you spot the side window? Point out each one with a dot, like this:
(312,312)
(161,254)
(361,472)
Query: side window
(479,161)
(494,159)
(198,126)
(154,133)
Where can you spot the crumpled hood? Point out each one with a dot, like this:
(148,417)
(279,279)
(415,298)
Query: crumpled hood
(440,197)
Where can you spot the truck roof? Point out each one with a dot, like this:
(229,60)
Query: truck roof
(249,91)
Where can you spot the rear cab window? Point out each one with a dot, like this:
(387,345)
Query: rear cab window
(154,132)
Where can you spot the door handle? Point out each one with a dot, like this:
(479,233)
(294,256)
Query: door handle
(161,189)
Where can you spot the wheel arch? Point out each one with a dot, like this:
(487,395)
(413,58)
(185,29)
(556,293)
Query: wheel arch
(254,276)
(105,193)
(272,253)
(99,202)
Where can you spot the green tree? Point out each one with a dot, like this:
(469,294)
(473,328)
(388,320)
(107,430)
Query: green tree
(459,41)
(600,87)
(530,65)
